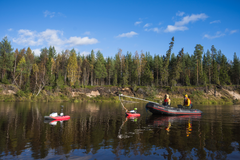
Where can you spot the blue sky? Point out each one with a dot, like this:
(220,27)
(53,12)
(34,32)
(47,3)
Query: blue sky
(130,25)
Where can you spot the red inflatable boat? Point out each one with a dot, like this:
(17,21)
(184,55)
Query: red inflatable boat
(57,117)
(132,114)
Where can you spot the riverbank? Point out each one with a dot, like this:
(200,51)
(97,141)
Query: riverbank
(208,94)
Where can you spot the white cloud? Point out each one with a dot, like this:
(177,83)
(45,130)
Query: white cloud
(86,33)
(10,29)
(78,41)
(233,31)
(137,23)
(217,21)
(51,37)
(192,18)
(158,30)
(37,51)
(171,28)
(217,35)
(159,23)
(25,32)
(129,34)
(48,13)
(147,25)
(180,25)
(180,13)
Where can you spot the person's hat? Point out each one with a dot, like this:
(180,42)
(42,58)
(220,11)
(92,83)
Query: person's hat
(186,95)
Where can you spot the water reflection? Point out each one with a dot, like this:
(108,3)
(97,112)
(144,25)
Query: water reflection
(166,122)
(102,131)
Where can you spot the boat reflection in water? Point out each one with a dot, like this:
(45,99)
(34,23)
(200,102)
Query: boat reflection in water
(54,122)
(166,122)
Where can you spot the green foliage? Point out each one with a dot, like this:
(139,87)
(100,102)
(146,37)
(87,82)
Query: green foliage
(6,56)
(20,93)
(5,79)
(100,69)
(187,81)
(48,88)
(60,81)
(77,84)
(54,71)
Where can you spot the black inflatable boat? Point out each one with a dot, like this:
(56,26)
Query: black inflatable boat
(167,110)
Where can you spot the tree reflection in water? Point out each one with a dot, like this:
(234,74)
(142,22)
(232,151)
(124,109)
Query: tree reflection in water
(101,131)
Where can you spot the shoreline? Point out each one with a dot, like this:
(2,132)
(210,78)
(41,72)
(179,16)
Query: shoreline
(208,94)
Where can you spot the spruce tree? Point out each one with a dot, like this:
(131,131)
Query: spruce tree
(224,77)
(6,57)
(236,69)
(176,69)
(100,69)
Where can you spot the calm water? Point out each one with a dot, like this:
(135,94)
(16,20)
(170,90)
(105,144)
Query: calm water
(101,131)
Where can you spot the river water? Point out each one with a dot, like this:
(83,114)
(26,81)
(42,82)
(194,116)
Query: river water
(102,131)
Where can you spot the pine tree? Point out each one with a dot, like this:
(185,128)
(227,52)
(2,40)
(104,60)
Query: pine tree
(198,60)
(125,71)
(208,65)
(134,75)
(110,69)
(92,63)
(165,73)
(143,63)
(156,69)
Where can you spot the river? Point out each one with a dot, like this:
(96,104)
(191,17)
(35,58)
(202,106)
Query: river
(102,131)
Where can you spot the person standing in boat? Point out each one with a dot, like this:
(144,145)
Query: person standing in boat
(167,100)
(187,102)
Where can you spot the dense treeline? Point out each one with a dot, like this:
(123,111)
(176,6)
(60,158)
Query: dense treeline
(53,71)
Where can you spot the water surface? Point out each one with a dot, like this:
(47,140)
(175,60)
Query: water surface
(102,131)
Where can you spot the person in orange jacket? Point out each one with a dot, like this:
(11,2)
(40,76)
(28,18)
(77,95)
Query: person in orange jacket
(167,100)
(187,102)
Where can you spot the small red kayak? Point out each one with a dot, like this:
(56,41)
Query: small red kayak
(133,114)
(57,117)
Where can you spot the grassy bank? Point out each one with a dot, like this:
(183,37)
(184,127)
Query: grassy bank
(199,95)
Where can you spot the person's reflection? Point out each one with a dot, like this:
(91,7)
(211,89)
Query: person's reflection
(189,128)
(168,127)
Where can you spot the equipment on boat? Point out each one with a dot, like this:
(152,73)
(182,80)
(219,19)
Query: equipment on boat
(156,108)
(55,116)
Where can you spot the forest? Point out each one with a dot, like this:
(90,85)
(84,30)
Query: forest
(53,71)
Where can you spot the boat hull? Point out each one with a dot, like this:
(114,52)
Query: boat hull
(57,118)
(133,114)
(166,110)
